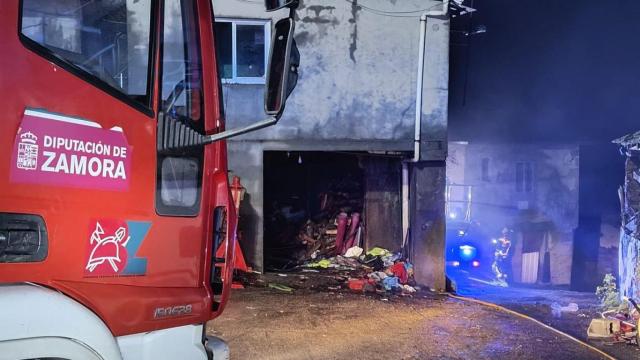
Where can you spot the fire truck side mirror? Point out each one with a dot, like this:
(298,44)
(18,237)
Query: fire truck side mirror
(272,5)
(282,77)
(282,74)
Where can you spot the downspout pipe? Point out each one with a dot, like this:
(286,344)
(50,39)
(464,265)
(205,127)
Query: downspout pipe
(418,116)
(419,88)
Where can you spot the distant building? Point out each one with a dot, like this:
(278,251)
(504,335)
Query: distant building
(530,189)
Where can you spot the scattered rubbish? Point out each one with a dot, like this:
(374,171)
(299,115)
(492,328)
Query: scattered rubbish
(324,263)
(353,252)
(557,309)
(399,270)
(384,299)
(617,325)
(377,251)
(310,271)
(280,287)
(409,289)
(603,328)
(391,282)
(376,271)
(283,275)
(378,276)
(356,284)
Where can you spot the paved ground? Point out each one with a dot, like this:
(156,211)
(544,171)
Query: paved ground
(537,302)
(261,323)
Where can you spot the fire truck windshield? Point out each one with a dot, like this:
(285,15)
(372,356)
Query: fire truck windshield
(107,41)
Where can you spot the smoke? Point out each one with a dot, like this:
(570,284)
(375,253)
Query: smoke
(547,71)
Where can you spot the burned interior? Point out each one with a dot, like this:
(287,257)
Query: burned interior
(320,204)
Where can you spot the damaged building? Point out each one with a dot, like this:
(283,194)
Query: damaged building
(629,247)
(345,145)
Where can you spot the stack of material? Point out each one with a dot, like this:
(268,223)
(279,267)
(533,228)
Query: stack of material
(335,228)
(332,237)
(378,271)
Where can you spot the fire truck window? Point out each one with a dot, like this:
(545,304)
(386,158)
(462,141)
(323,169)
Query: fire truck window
(108,40)
(181,83)
(180,171)
(179,185)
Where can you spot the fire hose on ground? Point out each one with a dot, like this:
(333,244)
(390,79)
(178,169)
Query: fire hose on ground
(523,316)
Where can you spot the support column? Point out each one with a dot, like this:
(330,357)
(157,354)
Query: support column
(428,176)
(245,161)
(428,222)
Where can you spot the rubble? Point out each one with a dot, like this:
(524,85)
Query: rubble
(557,309)
(620,326)
(331,227)
(377,271)
(280,287)
(328,242)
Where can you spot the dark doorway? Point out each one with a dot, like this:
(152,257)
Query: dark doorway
(302,188)
(305,193)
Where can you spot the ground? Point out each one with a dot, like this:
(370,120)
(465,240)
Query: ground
(537,303)
(264,323)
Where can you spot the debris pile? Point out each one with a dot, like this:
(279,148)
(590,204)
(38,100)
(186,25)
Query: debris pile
(618,325)
(335,229)
(376,271)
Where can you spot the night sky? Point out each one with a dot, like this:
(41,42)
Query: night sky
(547,71)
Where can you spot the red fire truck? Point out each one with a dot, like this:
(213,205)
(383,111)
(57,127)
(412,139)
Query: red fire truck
(114,192)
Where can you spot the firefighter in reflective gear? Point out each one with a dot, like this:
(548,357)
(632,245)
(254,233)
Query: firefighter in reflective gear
(501,256)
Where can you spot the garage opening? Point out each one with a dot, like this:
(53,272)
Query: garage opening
(307,195)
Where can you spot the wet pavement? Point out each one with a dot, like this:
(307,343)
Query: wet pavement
(537,303)
(264,323)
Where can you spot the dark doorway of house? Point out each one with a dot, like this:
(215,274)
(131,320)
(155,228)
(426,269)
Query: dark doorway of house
(303,189)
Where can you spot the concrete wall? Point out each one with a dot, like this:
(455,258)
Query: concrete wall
(551,206)
(356,90)
(357,74)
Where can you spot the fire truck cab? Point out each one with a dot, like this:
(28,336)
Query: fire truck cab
(114,192)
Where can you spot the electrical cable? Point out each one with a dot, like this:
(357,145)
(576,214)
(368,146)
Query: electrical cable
(526,317)
(389,12)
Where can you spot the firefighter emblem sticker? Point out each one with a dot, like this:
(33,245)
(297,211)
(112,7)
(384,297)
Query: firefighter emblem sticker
(113,247)
(59,150)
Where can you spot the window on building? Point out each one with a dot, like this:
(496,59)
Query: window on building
(485,169)
(242,50)
(524,177)
(108,42)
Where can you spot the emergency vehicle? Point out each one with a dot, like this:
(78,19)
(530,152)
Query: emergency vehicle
(114,192)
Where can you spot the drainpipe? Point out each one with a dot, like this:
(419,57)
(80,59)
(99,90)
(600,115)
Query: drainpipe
(418,118)
(419,86)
